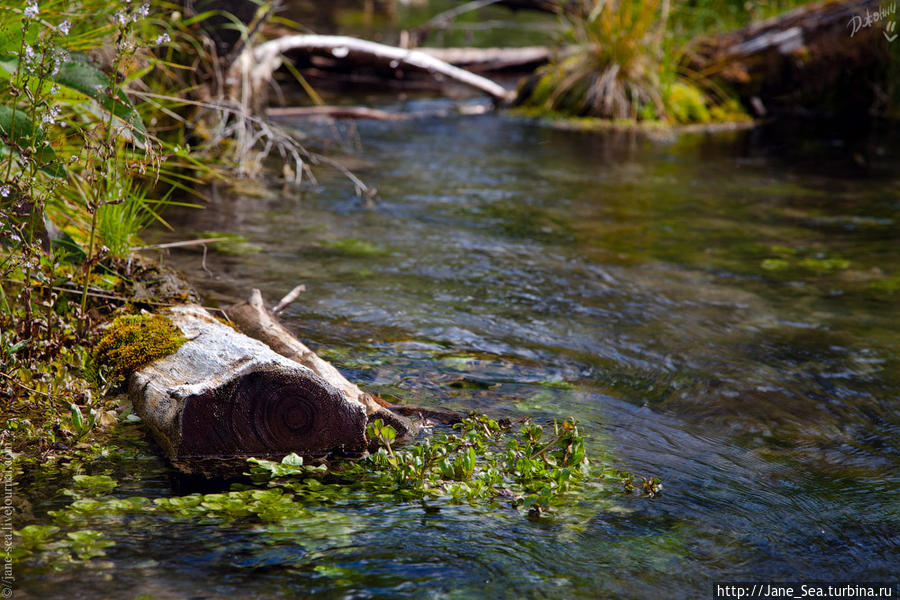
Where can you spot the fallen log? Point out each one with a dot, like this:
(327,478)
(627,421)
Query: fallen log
(224,396)
(486,60)
(364,112)
(811,58)
(253,70)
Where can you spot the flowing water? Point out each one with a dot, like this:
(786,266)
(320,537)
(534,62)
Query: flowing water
(717,311)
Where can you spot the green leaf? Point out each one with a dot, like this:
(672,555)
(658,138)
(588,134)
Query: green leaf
(34,536)
(293,460)
(18,133)
(10,38)
(94,483)
(87,544)
(78,74)
(77,418)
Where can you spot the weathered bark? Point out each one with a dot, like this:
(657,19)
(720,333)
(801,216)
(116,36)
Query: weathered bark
(805,59)
(225,395)
(252,318)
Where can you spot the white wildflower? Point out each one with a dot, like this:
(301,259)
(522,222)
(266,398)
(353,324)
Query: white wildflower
(31,9)
(29,52)
(144,10)
(163,39)
(64,27)
(122,18)
(49,117)
(59,56)
(4,191)
(54,89)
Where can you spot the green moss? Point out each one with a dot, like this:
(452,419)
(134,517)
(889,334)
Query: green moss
(134,341)
(729,111)
(686,103)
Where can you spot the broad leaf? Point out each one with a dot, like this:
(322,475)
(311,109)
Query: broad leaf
(77,73)
(18,133)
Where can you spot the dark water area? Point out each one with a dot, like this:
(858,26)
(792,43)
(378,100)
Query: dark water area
(718,311)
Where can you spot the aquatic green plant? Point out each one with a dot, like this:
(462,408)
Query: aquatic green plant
(59,550)
(354,247)
(233,244)
(480,461)
(792,260)
(94,484)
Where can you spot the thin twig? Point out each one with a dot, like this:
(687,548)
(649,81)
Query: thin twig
(201,242)
(25,387)
(203,262)
(288,298)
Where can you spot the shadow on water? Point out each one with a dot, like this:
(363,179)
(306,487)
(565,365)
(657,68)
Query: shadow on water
(717,311)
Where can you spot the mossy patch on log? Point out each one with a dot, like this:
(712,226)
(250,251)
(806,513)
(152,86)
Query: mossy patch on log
(134,341)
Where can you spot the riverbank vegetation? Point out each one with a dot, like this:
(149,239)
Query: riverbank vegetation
(648,61)
(87,163)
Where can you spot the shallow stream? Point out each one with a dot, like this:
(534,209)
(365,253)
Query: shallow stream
(717,311)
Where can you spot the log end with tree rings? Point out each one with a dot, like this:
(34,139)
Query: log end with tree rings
(225,396)
(271,412)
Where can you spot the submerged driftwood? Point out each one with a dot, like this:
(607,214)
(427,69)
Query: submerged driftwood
(224,395)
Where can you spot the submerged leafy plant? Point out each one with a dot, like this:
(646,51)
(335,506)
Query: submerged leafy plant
(481,461)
